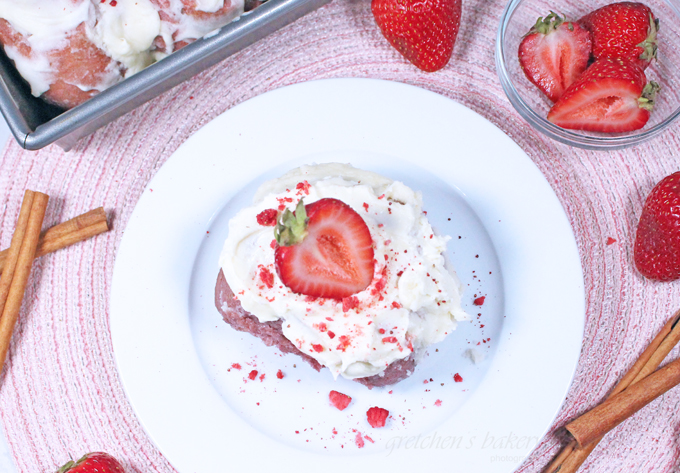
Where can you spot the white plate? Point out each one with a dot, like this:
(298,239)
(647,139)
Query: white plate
(511,242)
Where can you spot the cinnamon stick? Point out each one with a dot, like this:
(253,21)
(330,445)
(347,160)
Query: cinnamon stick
(67,233)
(570,459)
(15,245)
(600,420)
(22,271)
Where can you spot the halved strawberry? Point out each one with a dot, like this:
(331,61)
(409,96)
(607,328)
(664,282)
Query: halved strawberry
(554,53)
(625,30)
(611,96)
(324,250)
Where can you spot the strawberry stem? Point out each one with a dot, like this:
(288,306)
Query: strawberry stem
(649,44)
(646,101)
(291,229)
(550,22)
(67,466)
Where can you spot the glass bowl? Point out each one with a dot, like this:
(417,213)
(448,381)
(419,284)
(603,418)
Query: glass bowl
(520,15)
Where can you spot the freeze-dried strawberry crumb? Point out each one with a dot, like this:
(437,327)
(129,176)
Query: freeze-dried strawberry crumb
(396,305)
(262,377)
(366,437)
(317,348)
(389,340)
(339,400)
(457,378)
(610,241)
(267,218)
(331,335)
(377,416)
(236,366)
(438,402)
(272,245)
(252,375)
(279,374)
(479,300)
(359,440)
(303,186)
(365,206)
(381,331)
(266,277)
(323,327)
(380,283)
(349,303)
(344,342)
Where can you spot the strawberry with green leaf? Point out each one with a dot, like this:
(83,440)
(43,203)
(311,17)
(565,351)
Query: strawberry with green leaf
(611,96)
(95,462)
(324,249)
(625,30)
(554,53)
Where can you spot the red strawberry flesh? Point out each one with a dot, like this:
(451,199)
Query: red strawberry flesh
(554,54)
(424,31)
(624,30)
(657,241)
(611,96)
(334,258)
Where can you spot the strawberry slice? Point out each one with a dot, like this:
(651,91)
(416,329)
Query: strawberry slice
(623,30)
(554,54)
(324,249)
(611,96)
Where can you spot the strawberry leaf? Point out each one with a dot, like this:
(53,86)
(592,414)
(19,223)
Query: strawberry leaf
(292,228)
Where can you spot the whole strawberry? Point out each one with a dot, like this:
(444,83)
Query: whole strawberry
(423,31)
(624,30)
(657,243)
(95,462)
(554,53)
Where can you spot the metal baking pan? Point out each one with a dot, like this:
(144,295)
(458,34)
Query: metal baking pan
(35,124)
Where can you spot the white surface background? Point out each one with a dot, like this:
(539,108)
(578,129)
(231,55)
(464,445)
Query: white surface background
(6,461)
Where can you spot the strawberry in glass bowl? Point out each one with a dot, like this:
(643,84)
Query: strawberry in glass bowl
(625,93)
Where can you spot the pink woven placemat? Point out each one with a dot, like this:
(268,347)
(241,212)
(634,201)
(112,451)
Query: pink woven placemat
(60,392)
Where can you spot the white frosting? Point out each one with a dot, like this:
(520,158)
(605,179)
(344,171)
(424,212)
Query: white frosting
(474,355)
(210,6)
(125,31)
(412,302)
(45,25)
(189,28)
